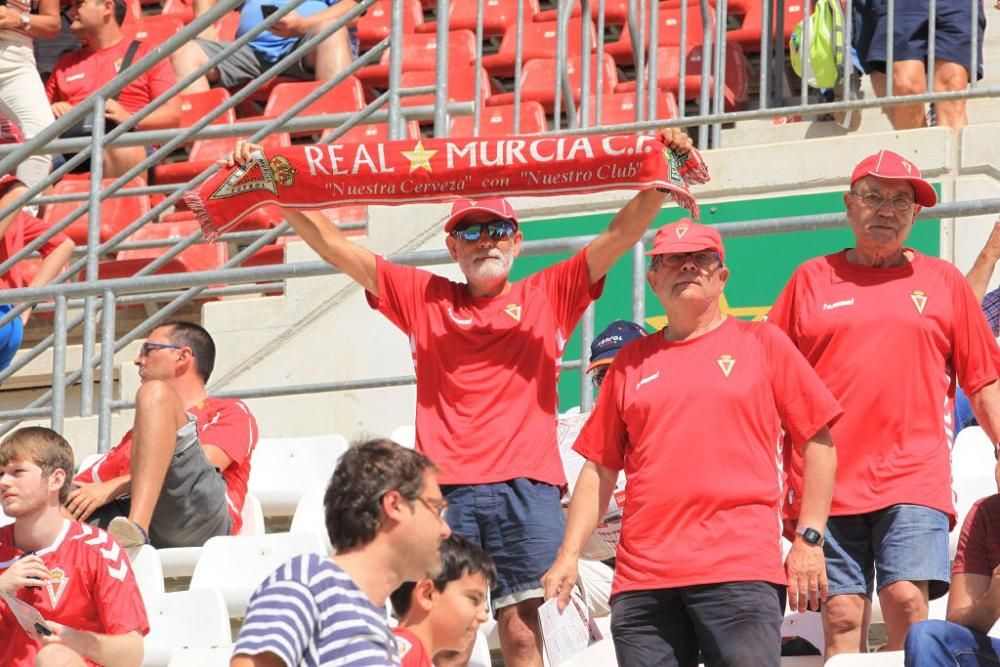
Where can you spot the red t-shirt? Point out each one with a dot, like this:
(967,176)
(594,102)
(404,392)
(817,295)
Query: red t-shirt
(92,588)
(889,344)
(79,73)
(25,229)
(979,543)
(225,423)
(697,427)
(411,650)
(487,368)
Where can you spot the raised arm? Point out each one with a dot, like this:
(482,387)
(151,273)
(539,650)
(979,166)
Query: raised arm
(982,270)
(632,221)
(322,235)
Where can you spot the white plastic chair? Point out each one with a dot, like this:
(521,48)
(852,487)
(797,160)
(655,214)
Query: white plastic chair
(481,652)
(282,467)
(180,561)
(880,659)
(147,570)
(202,657)
(310,515)
(805,624)
(967,491)
(972,454)
(405,435)
(237,565)
(186,619)
(88,461)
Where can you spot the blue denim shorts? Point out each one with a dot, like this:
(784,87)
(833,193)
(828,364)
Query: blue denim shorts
(519,523)
(10,337)
(901,543)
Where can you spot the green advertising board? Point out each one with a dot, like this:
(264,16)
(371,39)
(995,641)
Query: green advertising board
(759,265)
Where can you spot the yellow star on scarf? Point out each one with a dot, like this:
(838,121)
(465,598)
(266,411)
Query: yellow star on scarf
(419,157)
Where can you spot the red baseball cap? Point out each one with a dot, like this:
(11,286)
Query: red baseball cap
(686,235)
(496,207)
(894,167)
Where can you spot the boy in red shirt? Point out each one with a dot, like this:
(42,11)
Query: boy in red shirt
(76,576)
(440,616)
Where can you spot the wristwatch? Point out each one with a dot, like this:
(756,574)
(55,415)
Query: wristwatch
(25,21)
(811,535)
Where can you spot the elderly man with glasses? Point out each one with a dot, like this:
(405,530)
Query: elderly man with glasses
(890,331)
(694,415)
(487,355)
(180,475)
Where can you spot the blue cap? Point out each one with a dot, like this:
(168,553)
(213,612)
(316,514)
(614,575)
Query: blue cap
(607,343)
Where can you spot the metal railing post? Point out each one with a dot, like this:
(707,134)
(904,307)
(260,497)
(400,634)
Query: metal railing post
(395,70)
(639,282)
(58,390)
(108,316)
(93,241)
(706,69)
(586,338)
(441,72)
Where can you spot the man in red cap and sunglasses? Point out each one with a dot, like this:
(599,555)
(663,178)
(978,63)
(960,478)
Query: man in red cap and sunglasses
(889,331)
(694,415)
(487,355)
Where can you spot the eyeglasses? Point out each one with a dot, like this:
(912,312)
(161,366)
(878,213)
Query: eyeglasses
(498,231)
(439,507)
(702,259)
(875,201)
(152,347)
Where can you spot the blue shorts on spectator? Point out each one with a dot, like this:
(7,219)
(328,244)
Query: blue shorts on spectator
(11,335)
(729,625)
(519,523)
(936,643)
(900,543)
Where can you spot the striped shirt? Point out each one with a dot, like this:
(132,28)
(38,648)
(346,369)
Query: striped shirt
(991,308)
(310,612)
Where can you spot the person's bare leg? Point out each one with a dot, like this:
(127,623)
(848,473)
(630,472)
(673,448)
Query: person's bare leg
(331,56)
(908,78)
(187,59)
(844,625)
(520,637)
(951,76)
(903,604)
(158,415)
(117,161)
(57,655)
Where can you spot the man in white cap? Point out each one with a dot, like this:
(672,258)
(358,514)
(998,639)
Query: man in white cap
(487,356)
(890,331)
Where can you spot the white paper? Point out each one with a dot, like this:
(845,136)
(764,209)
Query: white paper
(566,634)
(26,615)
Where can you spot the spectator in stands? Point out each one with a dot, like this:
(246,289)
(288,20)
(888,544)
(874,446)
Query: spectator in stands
(186,460)
(22,95)
(486,410)
(952,56)
(698,547)
(888,330)
(48,50)
(331,56)
(79,74)
(440,617)
(963,639)
(385,516)
(75,576)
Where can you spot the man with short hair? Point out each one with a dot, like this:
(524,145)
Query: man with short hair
(487,355)
(890,331)
(695,414)
(76,576)
(78,74)
(180,475)
(385,516)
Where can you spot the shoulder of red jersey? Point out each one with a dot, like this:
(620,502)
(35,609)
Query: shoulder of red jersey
(92,539)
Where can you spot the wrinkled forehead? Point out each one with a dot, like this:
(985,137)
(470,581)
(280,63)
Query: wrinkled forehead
(888,187)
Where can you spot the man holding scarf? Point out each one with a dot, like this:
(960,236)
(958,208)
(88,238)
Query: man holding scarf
(487,356)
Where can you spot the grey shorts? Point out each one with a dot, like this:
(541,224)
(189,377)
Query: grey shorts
(244,65)
(192,505)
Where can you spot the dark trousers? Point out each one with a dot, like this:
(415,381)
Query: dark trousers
(734,624)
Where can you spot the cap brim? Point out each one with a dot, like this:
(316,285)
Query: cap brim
(682,246)
(599,363)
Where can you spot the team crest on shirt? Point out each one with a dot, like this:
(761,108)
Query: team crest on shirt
(514,310)
(919,298)
(404,644)
(726,363)
(56,585)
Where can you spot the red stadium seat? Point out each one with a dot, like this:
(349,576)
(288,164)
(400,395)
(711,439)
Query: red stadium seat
(116,212)
(346,97)
(420,53)
(619,108)
(376,132)
(539,80)
(226,27)
(133,11)
(498,121)
(736,89)
(373,27)
(195,106)
(498,16)
(669,33)
(204,153)
(198,257)
(615,12)
(461,85)
(538,41)
(154,29)
(182,9)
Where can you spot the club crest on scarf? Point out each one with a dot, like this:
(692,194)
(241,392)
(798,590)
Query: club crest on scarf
(257,174)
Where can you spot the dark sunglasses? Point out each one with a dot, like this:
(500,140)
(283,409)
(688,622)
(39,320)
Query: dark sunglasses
(498,231)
